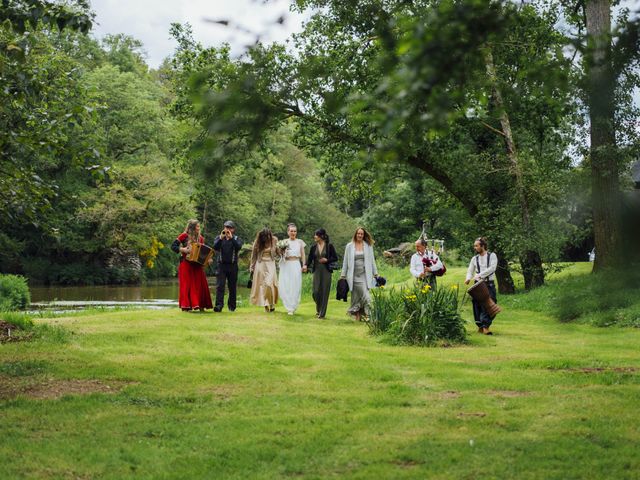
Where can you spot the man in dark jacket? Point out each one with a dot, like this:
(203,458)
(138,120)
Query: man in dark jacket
(227,247)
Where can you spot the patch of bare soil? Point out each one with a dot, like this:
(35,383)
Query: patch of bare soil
(507,393)
(230,337)
(450,394)
(51,388)
(471,414)
(10,333)
(602,369)
(222,392)
(406,463)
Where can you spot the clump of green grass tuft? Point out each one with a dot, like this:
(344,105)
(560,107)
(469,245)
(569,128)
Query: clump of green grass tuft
(27,329)
(418,315)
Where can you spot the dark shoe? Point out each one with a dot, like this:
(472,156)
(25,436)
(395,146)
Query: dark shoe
(272,309)
(232,309)
(217,309)
(321,318)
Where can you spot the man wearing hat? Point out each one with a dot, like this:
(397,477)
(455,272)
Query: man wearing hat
(227,246)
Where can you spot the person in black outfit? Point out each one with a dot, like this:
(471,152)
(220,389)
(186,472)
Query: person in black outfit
(322,261)
(227,247)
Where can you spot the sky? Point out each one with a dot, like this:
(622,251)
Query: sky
(149,22)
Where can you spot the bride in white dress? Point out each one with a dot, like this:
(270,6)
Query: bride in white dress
(290,280)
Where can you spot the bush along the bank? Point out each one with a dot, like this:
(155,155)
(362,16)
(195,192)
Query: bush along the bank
(14,293)
(418,315)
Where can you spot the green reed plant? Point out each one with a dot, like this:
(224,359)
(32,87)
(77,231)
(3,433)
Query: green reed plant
(418,315)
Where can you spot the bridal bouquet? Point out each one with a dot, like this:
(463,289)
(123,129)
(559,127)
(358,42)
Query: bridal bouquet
(282,245)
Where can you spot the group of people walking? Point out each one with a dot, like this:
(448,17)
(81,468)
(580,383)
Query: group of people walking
(267,286)
(359,270)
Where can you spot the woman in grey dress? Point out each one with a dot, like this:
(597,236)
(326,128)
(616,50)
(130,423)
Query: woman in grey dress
(359,268)
(321,256)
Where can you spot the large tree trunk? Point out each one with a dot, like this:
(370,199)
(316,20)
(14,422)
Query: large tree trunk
(506,286)
(531,262)
(532,270)
(604,166)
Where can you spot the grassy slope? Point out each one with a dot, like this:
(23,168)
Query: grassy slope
(251,395)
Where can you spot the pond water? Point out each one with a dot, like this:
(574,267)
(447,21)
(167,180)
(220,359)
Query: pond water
(153,295)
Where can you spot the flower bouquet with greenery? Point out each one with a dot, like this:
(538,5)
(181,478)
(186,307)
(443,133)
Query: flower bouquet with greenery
(282,245)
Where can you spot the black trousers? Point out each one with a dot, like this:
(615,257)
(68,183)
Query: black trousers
(481,317)
(227,272)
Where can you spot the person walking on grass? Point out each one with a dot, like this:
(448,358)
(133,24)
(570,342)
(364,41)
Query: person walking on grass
(322,257)
(291,261)
(359,268)
(227,246)
(193,288)
(264,287)
(482,268)
(424,263)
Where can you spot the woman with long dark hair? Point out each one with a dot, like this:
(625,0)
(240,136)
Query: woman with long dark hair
(192,280)
(321,257)
(264,289)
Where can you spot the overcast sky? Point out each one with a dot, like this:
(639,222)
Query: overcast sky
(149,21)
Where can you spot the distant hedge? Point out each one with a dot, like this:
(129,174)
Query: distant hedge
(14,293)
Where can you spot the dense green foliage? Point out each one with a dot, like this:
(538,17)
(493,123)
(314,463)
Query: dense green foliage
(14,293)
(99,173)
(469,115)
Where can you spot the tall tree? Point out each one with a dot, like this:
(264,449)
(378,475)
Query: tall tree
(376,84)
(604,162)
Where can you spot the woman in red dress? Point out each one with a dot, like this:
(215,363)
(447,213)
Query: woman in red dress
(192,281)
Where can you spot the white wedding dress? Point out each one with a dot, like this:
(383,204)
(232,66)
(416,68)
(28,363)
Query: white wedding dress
(290,280)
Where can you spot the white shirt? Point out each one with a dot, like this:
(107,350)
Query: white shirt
(486,271)
(417,266)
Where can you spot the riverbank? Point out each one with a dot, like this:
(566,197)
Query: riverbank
(167,394)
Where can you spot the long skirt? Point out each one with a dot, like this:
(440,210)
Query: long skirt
(264,290)
(321,289)
(290,284)
(194,289)
(360,299)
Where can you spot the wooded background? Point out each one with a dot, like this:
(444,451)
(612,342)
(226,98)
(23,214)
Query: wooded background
(513,120)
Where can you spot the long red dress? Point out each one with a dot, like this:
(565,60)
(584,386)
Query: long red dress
(194,289)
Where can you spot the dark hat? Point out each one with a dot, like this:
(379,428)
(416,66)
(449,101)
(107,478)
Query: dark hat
(229,224)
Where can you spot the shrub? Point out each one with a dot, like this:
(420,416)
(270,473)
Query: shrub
(418,315)
(14,292)
(604,299)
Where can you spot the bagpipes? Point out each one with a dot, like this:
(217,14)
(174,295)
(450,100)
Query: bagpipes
(434,247)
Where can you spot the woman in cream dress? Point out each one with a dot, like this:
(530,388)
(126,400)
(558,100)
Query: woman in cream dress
(264,289)
(291,261)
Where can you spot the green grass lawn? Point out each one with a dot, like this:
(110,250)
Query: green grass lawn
(166,394)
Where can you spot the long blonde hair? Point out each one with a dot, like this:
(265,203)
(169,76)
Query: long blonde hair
(190,230)
(367,236)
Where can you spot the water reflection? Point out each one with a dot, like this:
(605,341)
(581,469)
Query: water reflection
(159,290)
(156,294)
